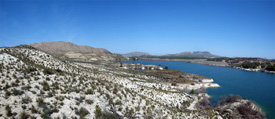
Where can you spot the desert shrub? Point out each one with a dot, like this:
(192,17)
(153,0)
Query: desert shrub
(8,111)
(40,102)
(98,112)
(78,99)
(45,85)
(55,110)
(7,86)
(29,70)
(89,101)
(83,112)
(89,91)
(28,87)
(50,94)
(58,70)
(16,92)
(7,93)
(118,102)
(204,103)
(24,115)
(33,110)
(49,71)
(232,98)
(26,100)
(115,90)
(108,115)
(247,112)
(192,91)
(48,79)
(45,116)
(47,110)
(270,67)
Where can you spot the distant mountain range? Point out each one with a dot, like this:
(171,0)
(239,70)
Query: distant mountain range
(135,54)
(76,52)
(196,54)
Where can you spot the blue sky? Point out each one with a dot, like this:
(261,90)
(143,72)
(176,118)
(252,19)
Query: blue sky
(233,28)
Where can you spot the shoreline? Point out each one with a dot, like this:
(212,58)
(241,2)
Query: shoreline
(208,63)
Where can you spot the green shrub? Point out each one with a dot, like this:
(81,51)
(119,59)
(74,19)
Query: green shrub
(98,112)
(16,92)
(40,102)
(83,112)
(89,91)
(48,79)
(45,85)
(7,93)
(24,115)
(48,71)
(89,101)
(33,110)
(8,111)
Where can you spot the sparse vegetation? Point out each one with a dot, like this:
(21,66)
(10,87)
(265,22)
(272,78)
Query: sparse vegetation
(8,111)
(83,112)
(58,87)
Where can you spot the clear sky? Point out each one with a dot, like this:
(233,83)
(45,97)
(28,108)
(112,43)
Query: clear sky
(243,28)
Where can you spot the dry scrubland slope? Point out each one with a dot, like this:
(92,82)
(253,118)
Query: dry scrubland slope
(76,52)
(35,84)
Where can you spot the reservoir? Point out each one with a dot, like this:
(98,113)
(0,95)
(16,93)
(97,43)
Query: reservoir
(256,86)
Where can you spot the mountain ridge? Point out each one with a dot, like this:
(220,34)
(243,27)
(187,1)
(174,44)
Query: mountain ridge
(195,54)
(202,54)
(76,52)
(135,54)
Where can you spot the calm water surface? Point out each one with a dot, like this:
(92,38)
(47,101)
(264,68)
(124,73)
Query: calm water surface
(256,86)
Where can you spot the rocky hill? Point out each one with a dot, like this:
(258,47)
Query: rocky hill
(135,54)
(197,54)
(35,84)
(76,52)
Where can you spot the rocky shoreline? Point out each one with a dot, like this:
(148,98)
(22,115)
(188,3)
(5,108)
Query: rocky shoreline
(205,62)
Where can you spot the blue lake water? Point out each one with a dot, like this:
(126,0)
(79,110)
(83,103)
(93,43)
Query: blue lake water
(256,86)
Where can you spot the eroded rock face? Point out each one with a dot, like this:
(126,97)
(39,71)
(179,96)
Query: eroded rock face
(75,52)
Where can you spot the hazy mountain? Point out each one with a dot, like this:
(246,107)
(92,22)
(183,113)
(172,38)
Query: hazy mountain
(76,52)
(132,54)
(203,54)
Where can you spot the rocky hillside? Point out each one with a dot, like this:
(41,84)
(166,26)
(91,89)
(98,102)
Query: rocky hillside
(76,52)
(35,84)
(135,54)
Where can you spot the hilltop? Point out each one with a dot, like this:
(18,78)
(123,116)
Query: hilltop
(136,54)
(76,52)
(196,54)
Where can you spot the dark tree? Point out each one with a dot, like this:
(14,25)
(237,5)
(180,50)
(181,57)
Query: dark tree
(121,64)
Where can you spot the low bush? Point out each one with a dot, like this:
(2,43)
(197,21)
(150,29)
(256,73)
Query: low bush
(232,98)
(83,112)
(16,92)
(89,91)
(204,103)
(247,112)
(40,102)
(89,101)
(48,71)
(8,111)
(45,85)
(24,115)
